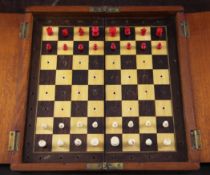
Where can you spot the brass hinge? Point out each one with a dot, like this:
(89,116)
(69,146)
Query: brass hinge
(185,29)
(196,139)
(104,9)
(23,30)
(13,140)
(105,166)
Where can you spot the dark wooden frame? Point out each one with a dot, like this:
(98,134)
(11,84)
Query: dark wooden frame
(193,155)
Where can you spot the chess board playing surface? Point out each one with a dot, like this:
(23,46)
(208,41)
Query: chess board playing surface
(112,95)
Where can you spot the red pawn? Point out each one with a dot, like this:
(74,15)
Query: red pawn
(95,47)
(81,31)
(143,31)
(65,47)
(48,47)
(128,46)
(65,32)
(112,31)
(127,31)
(159,46)
(49,31)
(143,46)
(95,31)
(80,47)
(159,32)
(113,46)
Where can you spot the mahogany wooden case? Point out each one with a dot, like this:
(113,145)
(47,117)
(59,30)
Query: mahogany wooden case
(15,70)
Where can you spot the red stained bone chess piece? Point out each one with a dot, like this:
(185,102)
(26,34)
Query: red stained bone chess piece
(159,46)
(143,31)
(159,32)
(80,47)
(95,31)
(65,47)
(81,31)
(127,31)
(143,46)
(113,46)
(128,46)
(65,32)
(49,31)
(48,47)
(95,47)
(112,31)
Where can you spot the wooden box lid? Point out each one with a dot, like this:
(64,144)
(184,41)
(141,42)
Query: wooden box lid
(10,51)
(199,55)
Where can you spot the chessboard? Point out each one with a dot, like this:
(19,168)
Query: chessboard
(104,90)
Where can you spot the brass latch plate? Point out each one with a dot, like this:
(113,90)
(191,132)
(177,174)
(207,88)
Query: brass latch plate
(105,166)
(104,9)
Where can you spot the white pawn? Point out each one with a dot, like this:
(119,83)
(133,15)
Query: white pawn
(94,142)
(148,123)
(130,124)
(77,142)
(115,141)
(60,143)
(95,124)
(165,124)
(61,125)
(131,142)
(148,142)
(167,142)
(44,126)
(42,143)
(79,124)
(114,124)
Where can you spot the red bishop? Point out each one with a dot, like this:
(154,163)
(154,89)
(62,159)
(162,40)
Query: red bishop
(81,31)
(143,31)
(48,47)
(49,31)
(95,47)
(80,47)
(65,47)
(143,46)
(65,32)
(127,31)
(128,46)
(113,46)
(95,31)
(159,31)
(159,46)
(112,31)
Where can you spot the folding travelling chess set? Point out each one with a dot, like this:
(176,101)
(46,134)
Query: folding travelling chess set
(108,89)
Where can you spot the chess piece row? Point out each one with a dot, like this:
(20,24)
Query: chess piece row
(115,124)
(113,46)
(114,141)
(95,31)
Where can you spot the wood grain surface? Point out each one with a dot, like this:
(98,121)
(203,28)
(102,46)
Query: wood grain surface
(9,57)
(199,53)
(23,65)
(186,85)
(160,9)
(126,166)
